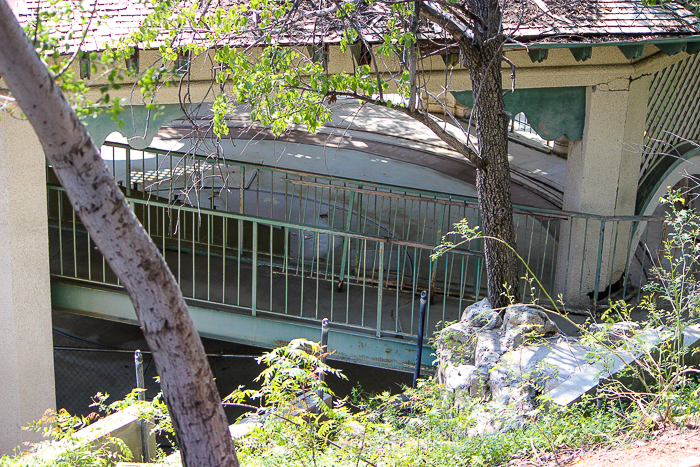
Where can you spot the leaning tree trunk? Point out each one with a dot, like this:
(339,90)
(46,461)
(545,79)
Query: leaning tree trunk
(186,378)
(493,181)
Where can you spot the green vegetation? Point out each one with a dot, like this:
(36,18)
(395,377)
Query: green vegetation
(292,426)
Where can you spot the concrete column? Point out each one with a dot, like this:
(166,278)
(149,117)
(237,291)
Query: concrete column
(601,178)
(26,341)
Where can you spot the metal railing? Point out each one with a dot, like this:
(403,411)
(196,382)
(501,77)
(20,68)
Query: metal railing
(306,246)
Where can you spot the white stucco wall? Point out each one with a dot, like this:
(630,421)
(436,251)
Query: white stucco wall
(601,179)
(26,346)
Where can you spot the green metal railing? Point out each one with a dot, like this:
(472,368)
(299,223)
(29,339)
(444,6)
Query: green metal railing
(260,240)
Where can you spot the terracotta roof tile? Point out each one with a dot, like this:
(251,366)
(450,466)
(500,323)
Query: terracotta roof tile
(587,20)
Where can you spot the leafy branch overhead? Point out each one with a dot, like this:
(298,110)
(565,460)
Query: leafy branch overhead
(273,57)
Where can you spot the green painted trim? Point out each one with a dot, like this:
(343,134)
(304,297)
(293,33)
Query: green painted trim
(538,55)
(692,48)
(573,45)
(632,52)
(137,121)
(657,176)
(552,112)
(581,54)
(261,331)
(673,49)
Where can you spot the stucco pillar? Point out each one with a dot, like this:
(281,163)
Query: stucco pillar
(601,179)
(26,346)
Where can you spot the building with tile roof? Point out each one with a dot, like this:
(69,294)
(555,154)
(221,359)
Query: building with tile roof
(616,82)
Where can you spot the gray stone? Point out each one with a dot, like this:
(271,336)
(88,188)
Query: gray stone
(616,331)
(456,377)
(488,347)
(490,357)
(456,343)
(523,322)
(476,309)
(481,315)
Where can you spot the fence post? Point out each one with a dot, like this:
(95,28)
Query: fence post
(140,383)
(419,341)
(325,325)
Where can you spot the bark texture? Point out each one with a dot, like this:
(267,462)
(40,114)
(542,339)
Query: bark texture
(186,378)
(493,185)
(493,181)
(481,39)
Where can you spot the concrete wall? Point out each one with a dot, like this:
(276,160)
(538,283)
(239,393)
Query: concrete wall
(601,178)
(26,346)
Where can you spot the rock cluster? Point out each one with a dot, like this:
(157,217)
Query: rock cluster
(488,354)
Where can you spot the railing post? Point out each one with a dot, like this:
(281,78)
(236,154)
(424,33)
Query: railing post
(254,286)
(325,326)
(599,261)
(128,171)
(419,340)
(344,257)
(140,383)
(380,289)
(241,192)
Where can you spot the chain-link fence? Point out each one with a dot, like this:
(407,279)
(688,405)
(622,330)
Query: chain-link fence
(85,368)
(82,372)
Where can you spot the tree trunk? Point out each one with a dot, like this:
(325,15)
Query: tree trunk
(493,181)
(186,378)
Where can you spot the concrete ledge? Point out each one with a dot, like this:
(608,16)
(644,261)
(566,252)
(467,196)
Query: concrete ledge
(122,425)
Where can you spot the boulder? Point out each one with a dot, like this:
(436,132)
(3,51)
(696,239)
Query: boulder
(456,377)
(488,356)
(481,315)
(523,322)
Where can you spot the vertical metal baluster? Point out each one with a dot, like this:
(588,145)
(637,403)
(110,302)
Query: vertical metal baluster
(544,254)
(241,193)
(346,243)
(224,231)
(332,269)
(598,262)
(529,248)
(128,171)
(644,257)
(478,261)
(179,228)
(240,251)
(583,256)
(555,235)
(364,278)
(381,290)
(272,231)
(612,259)
(629,254)
(210,236)
(447,282)
(302,256)
(413,288)
(286,270)
(287,217)
(89,256)
(60,230)
(75,245)
(462,280)
(254,286)
(195,225)
(318,265)
(433,276)
(347,290)
(272,195)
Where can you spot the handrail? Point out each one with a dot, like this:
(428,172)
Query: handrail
(468,201)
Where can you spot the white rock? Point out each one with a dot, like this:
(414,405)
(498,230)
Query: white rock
(693,461)
(476,309)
